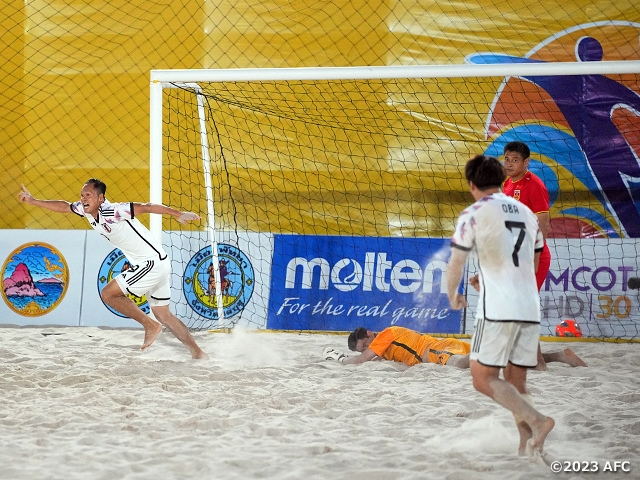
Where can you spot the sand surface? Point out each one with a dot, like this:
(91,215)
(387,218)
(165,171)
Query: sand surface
(86,403)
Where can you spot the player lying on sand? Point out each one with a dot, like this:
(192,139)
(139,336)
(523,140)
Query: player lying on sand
(401,344)
(151,267)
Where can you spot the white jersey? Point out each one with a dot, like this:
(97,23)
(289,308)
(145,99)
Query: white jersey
(117,223)
(505,234)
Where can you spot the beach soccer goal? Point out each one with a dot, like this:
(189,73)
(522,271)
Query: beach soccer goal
(328,195)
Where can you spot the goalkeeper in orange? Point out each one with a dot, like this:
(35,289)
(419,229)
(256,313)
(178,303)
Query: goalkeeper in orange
(404,345)
(401,344)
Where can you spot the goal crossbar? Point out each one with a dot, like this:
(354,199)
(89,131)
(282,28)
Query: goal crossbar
(386,72)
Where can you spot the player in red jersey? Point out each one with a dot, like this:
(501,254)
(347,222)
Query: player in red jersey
(529,189)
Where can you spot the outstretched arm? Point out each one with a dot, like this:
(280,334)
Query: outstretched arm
(59,206)
(182,217)
(366,355)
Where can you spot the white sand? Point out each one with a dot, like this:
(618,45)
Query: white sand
(86,403)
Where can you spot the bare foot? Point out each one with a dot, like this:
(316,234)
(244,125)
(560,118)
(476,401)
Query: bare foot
(536,442)
(525,435)
(573,359)
(541,366)
(199,355)
(151,332)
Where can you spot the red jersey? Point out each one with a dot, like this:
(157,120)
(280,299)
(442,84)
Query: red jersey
(532,191)
(529,190)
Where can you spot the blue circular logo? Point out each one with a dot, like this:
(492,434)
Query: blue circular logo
(35,277)
(236,280)
(112,266)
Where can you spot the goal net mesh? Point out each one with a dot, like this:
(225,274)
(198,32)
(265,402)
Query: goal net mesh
(330,203)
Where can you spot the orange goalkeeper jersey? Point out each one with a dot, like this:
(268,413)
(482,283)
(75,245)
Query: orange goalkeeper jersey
(404,345)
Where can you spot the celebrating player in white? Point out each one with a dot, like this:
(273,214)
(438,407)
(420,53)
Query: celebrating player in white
(151,267)
(507,239)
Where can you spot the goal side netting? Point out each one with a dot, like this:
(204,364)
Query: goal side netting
(328,196)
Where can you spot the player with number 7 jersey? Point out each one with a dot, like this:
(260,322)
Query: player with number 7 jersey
(505,235)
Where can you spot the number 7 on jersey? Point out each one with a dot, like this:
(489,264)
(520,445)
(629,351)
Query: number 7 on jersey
(516,248)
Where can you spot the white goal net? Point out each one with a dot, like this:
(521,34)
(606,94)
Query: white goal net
(329,195)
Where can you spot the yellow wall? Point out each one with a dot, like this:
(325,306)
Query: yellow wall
(74,77)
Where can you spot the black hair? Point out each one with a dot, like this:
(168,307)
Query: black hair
(518,147)
(98,185)
(358,334)
(485,172)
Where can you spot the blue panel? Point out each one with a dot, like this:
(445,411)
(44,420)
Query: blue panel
(340,283)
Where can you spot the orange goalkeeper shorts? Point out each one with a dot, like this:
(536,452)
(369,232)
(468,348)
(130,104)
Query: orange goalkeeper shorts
(440,350)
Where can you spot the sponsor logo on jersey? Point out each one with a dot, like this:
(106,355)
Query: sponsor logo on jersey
(113,265)
(35,277)
(237,280)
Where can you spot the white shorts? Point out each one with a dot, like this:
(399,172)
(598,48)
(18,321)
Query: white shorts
(150,278)
(495,344)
